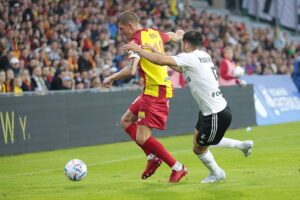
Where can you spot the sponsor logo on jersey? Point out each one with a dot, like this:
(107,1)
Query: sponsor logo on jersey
(216,94)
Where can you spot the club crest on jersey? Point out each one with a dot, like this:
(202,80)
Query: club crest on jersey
(141,115)
(188,79)
(153,35)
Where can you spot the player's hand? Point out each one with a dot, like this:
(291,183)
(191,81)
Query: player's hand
(180,33)
(107,82)
(132,47)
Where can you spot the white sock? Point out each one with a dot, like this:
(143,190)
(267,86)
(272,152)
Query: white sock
(177,166)
(150,156)
(208,160)
(229,143)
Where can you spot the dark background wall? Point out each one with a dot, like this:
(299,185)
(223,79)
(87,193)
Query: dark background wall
(38,123)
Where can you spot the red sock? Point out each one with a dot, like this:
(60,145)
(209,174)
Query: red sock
(131,130)
(155,147)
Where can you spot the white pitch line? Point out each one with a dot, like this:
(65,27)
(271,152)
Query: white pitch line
(129,158)
(93,164)
(276,137)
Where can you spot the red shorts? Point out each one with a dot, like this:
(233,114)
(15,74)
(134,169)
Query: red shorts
(151,111)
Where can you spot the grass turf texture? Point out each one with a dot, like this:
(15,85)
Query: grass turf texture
(271,172)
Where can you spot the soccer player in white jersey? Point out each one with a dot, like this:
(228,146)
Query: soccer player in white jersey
(214,114)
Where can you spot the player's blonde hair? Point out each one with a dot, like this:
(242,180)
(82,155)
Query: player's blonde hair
(128,17)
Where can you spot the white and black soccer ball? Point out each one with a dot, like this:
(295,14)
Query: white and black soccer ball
(238,72)
(75,170)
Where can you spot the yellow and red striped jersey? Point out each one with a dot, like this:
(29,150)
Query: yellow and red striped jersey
(156,79)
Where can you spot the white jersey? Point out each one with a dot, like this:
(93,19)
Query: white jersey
(201,76)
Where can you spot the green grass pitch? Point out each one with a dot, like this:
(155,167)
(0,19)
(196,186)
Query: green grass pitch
(271,172)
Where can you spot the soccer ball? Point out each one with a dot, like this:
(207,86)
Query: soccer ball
(75,170)
(238,71)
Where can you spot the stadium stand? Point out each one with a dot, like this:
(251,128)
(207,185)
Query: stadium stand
(70,45)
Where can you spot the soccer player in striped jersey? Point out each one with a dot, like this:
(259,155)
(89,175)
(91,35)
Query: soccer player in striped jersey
(215,115)
(150,109)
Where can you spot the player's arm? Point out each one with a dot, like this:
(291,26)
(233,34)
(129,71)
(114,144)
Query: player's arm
(178,35)
(129,70)
(153,57)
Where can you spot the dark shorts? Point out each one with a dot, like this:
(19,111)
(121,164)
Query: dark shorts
(213,127)
(151,111)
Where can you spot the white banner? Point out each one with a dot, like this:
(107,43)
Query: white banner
(288,11)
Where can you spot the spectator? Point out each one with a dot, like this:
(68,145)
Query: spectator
(67,83)
(9,84)
(14,65)
(79,85)
(18,84)
(46,77)
(96,82)
(227,66)
(249,66)
(84,62)
(54,54)
(57,83)
(37,81)
(2,81)
(26,80)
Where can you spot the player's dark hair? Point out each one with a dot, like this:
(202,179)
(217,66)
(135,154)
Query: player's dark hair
(194,38)
(127,17)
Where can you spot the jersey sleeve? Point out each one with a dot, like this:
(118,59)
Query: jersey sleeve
(137,40)
(165,37)
(182,60)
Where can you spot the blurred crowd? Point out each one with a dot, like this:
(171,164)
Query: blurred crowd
(73,44)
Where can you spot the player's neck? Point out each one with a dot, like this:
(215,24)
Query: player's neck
(188,50)
(138,27)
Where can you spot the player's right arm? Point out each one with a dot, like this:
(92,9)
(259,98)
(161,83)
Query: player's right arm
(129,70)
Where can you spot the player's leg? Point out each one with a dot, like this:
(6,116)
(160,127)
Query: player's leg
(153,113)
(145,139)
(128,123)
(209,131)
(207,158)
(245,146)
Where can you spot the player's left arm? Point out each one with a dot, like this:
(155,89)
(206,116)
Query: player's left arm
(128,71)
(153,57)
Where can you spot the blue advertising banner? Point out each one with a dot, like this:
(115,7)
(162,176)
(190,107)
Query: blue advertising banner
(277,99)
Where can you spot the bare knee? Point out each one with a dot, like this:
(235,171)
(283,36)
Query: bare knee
(143,134)
(141,140)
(127,119)
(199,150)
(125,122)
